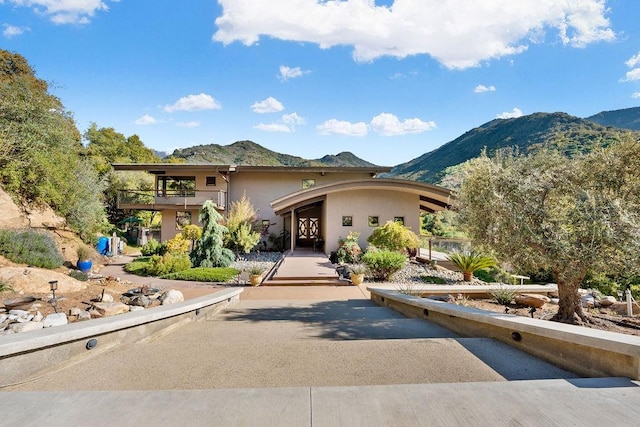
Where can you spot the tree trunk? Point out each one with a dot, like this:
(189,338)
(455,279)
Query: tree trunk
(570,305)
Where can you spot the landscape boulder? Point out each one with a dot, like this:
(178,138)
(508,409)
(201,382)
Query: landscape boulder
(171,296)
(25,327)
(531,300)
(110,308)
(606,301)
(55,319)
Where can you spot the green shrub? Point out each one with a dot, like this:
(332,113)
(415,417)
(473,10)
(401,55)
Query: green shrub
(394,236)
(138,266)
(30,247)
(433,279)
(470,262)
(348,249)
(5,287)
(635,291)
(171,262)
(78,275)
(204,274)
(382,264)
(492,275)
(153,247)
(503,295)
(602,283)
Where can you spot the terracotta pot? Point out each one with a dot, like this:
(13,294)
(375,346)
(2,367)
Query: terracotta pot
(255,279)
(357,279)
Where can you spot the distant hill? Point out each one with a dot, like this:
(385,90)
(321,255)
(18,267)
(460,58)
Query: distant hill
(249,153)
(628,118)
(567,133)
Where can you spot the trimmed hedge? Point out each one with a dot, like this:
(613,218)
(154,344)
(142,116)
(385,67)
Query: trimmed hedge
(205,274)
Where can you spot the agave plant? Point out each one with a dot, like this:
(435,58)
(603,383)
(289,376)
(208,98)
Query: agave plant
(469,262)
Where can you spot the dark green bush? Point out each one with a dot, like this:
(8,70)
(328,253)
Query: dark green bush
(153,247)
(78,275)
(204,274)
(30,247)
(382,264)
(433,279)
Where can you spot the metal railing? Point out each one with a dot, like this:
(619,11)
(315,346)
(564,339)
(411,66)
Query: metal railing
(175,198)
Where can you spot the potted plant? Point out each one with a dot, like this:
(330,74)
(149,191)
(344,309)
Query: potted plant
(255,275)
(84,263)
(357,273)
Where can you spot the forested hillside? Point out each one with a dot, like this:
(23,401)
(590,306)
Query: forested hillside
(628,118)
(569,134)
(42,157)
(249,153)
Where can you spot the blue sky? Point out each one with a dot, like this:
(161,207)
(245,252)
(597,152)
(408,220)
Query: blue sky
(386,80)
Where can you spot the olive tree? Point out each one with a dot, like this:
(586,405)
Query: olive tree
(569,216)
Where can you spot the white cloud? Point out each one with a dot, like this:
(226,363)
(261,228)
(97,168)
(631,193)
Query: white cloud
(273,127)
(269,105)
(188,124)
(12,31)
(145,120)
(483,89)
(287,124)
(293,119)
(459,34)
(194,103)
(633,61)
(65,11)
(287,73)
(389,125)
(339,127)
(632,76)
(513,114)
(635,95)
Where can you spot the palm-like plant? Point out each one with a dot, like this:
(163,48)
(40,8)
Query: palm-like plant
(469,262)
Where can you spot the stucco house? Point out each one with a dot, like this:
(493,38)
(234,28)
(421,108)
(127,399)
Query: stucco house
(309,206)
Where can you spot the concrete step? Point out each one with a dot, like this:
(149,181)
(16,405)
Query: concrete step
(305,282)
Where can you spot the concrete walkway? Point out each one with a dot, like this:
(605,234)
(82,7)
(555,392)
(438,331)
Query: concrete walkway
(320,356)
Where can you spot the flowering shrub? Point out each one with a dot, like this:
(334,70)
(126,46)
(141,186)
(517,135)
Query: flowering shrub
(348,249)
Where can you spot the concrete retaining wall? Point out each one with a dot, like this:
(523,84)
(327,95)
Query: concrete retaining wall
(585,351)
(31,354)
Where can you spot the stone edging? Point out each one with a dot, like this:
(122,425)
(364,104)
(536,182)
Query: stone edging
(26,355)
(586,351)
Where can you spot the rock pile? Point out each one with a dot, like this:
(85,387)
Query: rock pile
(17,321)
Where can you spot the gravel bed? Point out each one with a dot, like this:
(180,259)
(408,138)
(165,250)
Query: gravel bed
(264,260)
(413,272)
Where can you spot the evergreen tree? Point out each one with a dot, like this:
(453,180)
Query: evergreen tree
(209,250)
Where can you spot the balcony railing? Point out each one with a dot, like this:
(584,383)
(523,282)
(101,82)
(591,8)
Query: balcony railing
(151,199)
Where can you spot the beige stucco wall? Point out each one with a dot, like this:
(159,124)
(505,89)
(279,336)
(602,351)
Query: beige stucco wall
(168,230)
(360,205)
(262,188)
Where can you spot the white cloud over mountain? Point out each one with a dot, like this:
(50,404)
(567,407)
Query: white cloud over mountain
(194,103)
(385,124)
(513,114)
(459,34)
(269,105)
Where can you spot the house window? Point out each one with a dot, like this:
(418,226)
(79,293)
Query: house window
(176,186)
(308,183)
(182,220)
(211,181)
(373,221)
(399,219)
(347,221)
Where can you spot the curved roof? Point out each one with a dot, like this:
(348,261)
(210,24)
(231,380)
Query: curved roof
(432,197)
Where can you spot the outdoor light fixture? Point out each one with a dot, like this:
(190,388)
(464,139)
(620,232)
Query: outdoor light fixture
(53,284)
(266,222)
